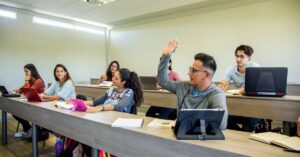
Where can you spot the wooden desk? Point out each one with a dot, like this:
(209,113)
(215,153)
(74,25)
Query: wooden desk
(285,108)
(95,129)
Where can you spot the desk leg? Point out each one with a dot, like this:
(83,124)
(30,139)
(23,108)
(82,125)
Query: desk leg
(34,140)
(95,152)
(4,128)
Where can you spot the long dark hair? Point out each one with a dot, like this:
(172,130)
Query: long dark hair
(34,73)
(132,82)
(108,71)
(68,77)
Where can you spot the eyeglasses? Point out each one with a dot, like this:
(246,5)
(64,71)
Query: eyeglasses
(193,70)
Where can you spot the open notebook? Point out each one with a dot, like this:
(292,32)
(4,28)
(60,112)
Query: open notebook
(285,141)
(161,123)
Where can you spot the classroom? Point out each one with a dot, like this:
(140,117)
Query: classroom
(106,52)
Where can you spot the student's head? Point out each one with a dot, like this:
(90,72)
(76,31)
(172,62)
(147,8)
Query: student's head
(30,70)
(61,73)
(243,55)
(129,79)
(113,67)
(203,69)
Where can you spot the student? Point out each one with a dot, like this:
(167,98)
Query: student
(236,73)
(163,112)
(32,80)
(200,92)
(110,72)
(63,88)
(126,94)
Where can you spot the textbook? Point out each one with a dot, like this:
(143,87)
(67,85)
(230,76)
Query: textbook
(128,123)
(161,123)
(292,143)
(63,105)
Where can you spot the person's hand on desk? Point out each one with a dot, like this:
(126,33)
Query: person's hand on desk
(223,85)
(95,109)
(42,95)
(242,90)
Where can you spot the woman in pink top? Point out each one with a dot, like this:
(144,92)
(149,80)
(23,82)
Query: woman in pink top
(163,112)
(32,80)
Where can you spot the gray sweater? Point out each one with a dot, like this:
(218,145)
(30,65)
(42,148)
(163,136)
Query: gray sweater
(212,98)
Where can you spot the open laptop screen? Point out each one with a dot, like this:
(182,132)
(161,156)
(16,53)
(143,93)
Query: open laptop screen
(148,82)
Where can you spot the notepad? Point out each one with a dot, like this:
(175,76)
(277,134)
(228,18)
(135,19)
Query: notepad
(161,123)
(64,105)
(128,123)
(233,92)
(285,141)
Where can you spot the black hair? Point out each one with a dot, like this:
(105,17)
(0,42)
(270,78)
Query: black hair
(34,73)
(247,50)
(132,82)
(108,71)
(207,60)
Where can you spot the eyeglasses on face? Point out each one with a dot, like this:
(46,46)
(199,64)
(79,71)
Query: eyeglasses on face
(194,70)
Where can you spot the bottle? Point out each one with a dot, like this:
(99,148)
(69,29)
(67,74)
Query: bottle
(58,147)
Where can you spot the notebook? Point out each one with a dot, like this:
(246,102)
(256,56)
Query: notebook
(161,123)
(128,123)
(285,141)
(64,105)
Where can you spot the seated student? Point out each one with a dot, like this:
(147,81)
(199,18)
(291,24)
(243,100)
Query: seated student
(198,93)
(32,80)
(113,67)
(125,94)
(163,112)
(63,88)
(236,73)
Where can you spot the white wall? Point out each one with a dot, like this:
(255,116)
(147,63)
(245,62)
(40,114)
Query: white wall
(272,28)
(22,42)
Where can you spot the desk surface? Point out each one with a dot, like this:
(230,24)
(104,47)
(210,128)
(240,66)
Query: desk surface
(285,108)
(94,129)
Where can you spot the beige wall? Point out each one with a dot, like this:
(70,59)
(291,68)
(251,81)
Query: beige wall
(22,42)
(272,28)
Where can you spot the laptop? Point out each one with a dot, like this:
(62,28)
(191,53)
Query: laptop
(148,82)
(5,93)
(32,95)
(266,81)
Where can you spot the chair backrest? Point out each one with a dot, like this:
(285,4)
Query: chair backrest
(133,109)
(82,97)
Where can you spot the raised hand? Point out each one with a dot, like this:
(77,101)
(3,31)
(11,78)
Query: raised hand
(171,47)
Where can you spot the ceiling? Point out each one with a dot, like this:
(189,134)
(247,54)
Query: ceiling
(114,13)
